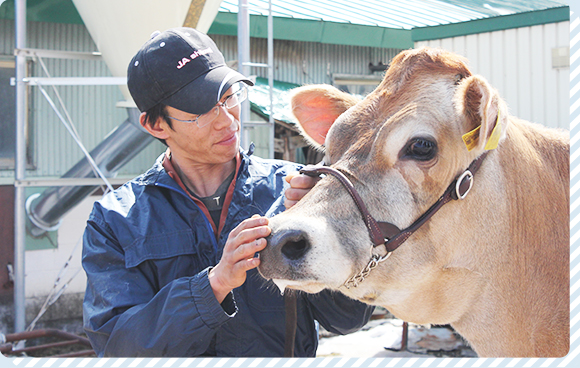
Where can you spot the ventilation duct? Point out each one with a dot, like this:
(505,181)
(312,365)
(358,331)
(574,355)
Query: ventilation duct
(45,209)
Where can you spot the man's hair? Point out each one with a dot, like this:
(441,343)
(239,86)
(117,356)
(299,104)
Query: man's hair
(156,112)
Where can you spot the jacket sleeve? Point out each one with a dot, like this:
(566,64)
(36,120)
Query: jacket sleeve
(338,313)
(124,314)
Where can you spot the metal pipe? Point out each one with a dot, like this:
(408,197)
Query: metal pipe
(243,59)
(45,346)
(271,79)
(76,81)
(119,147)
(69,339)
(68,182)
(46,332)
(20,170)
(405,336)
(82,353)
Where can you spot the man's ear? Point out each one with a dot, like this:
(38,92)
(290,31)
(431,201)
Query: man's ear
(158,130)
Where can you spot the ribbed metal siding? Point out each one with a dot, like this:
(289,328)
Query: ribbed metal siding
(92,108)
(518,63)
(303,63)
(307,62)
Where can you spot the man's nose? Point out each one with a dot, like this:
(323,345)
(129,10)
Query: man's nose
(225,117)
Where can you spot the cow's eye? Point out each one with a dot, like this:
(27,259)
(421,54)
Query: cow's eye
(421,149)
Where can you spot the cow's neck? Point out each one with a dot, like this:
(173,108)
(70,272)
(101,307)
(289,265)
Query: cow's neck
(514,316)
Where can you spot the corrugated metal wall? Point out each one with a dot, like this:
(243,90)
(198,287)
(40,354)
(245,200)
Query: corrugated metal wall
(518,63)
(92,108)
(307,62)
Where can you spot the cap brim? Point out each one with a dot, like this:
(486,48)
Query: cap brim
(204,92)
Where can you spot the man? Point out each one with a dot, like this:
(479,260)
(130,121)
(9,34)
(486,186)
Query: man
(170,256)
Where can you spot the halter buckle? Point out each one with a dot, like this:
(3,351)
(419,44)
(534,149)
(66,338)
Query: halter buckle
(467,175)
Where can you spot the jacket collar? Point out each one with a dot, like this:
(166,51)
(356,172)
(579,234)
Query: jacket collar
(157,175)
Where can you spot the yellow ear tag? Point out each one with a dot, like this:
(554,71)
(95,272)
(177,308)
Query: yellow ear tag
(495,134)
(471,138)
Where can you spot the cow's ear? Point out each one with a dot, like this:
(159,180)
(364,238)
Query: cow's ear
(316,107)
(485,113)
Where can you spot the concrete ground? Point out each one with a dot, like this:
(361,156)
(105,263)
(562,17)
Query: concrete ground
(382,338)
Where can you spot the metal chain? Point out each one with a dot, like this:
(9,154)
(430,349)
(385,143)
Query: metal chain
(355,280)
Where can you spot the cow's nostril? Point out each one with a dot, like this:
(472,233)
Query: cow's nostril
(294,245)
(295,249)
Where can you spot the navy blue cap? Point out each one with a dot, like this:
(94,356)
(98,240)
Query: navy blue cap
(181,68)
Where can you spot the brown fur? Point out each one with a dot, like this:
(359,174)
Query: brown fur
(495,265)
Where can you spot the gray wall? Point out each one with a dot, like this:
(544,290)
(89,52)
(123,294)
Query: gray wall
(92,108)
(308,62)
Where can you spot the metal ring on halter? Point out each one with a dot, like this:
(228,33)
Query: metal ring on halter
(467,174)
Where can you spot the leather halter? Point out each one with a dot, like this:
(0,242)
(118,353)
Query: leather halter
(385,232)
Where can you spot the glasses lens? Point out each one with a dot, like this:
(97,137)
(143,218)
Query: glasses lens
(208,117)
(233,100)
(237,97)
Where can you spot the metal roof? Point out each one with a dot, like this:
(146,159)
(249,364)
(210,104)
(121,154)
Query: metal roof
(395,24)
(260,99)
(399,14)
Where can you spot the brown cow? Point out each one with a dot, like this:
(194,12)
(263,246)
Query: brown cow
(494,265)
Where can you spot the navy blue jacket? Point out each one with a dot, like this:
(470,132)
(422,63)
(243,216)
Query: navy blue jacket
(147,251)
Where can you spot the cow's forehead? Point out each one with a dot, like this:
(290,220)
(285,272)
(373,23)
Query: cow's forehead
(419,80)
(416,64)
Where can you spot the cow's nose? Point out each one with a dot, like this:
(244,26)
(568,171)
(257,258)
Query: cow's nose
(293,244)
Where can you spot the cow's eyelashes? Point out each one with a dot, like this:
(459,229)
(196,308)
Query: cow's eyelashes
(420,149)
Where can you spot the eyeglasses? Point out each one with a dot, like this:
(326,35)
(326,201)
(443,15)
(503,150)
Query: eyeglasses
(233,100)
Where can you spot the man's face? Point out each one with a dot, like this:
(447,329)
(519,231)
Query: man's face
(215,143)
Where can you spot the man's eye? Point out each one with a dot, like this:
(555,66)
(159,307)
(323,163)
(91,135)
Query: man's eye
(421,149)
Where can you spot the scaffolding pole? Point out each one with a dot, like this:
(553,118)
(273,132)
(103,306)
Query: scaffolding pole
(243,59)
(271,78)
(244,65)
(20,171)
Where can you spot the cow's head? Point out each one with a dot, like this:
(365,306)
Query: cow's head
(401,147)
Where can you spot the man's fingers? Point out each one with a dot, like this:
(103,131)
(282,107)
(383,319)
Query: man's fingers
(250,235)
(252,222)
(288,203)
(246,265)
(289,177)
(294,194)
(243,243)
(300,181)
(248,250)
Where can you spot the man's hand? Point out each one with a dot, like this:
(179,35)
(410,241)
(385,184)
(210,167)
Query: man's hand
(238,257)
(299,186)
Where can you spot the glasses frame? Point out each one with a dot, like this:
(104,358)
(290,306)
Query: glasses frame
(241,95)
